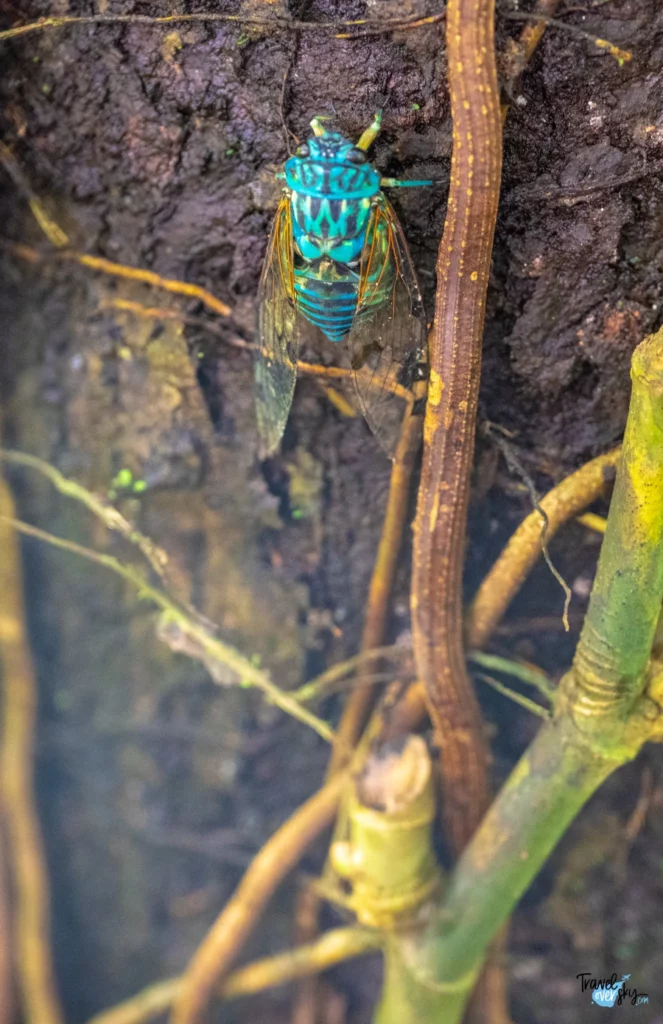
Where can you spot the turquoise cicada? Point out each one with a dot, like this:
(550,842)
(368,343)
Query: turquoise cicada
(337,259)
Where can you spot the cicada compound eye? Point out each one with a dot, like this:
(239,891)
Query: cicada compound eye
(357,156)
(303,150)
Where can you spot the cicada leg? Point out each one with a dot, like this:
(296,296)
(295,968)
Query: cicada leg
(395,183)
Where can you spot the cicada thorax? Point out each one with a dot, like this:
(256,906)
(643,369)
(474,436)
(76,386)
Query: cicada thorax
(330,226)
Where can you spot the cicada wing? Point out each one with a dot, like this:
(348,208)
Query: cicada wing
(279,327)
(387,340)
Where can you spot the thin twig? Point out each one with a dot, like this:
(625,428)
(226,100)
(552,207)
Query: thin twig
(7,1009)
(305,930)
(516,466)
(60,240)
(34,964)
(603,44)
(248,675)
(639,813)
(382,579)
(138,274)
(593,522)
(561,503)
(53,231)
(503,581)
(321,684)
(519,52)
(288,24)
(194,291)
(332,948)
(431,19)
(223,942)
(516,697)
(368,379)
(375,621)
(109,515)
(526,673)
(287,133)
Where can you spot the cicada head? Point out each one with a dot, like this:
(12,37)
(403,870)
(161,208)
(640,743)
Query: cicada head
(330,165)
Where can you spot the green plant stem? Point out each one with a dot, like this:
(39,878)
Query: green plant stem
(526,673)
(603,715)
(517,698)
(617,636)
(325,683)
(545,791)
(409,1000)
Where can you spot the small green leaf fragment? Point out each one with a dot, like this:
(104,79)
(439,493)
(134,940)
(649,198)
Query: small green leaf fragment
(123,479)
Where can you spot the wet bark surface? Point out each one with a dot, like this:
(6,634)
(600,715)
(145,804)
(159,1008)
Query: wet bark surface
(157,147)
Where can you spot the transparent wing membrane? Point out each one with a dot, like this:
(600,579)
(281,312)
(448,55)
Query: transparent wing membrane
(387,340)
(279,327)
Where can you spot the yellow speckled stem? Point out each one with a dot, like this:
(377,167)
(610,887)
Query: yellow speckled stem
(439,541)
